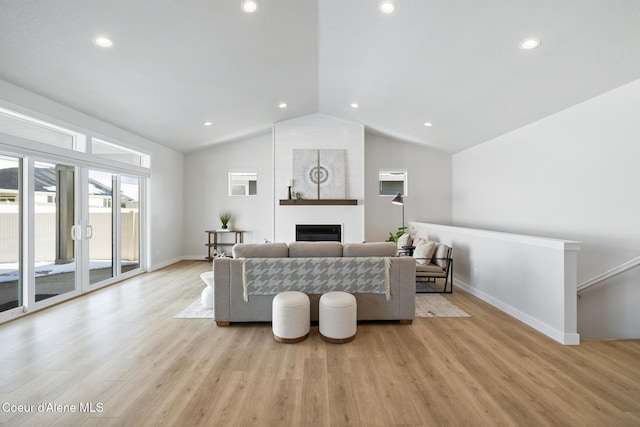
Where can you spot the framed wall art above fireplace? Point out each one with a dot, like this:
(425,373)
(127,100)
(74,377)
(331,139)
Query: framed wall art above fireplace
(319,174)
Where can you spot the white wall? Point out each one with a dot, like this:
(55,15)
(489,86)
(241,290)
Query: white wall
(206,192)
(205,170)
(165,185)
(573,175)
(166,207)
(429,185)
(318,131)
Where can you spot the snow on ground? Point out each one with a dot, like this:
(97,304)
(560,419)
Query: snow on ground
(9,271)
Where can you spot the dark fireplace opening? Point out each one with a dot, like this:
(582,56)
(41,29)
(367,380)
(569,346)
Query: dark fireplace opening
(318,233)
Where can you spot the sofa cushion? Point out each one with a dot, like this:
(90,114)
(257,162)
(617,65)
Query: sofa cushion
(260,250)
(428,268)
(315,249)
(373,249)
(424,252)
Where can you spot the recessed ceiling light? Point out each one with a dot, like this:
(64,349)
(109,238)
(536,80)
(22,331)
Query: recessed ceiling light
(531,43)
(282,105)
(103,42)
(207,123)
(354,105)
(428,124)
(387,6)
(249,6)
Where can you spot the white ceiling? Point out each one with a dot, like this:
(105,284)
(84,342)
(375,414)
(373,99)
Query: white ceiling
(177,64)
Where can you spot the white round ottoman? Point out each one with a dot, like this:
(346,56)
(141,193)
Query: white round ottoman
(338,313)
(206,297)
(291,317)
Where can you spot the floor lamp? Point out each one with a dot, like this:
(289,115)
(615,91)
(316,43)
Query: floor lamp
(398,201)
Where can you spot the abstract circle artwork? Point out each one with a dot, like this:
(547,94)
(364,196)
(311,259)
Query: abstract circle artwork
(319,175)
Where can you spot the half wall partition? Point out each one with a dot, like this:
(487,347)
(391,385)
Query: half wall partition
(531,278)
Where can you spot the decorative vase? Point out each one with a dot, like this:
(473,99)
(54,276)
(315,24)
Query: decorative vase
(224,226)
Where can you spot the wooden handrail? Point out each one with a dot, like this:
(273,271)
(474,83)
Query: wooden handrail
(609,274)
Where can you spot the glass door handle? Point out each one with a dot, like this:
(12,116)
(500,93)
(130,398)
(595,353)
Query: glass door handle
(76,232)
(89,231)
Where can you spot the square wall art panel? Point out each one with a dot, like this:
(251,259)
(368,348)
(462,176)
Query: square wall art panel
(319,174)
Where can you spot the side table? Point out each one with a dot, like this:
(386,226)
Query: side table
(212,246)
(406,250)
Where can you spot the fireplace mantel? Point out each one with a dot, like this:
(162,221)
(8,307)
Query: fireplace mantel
(318,202)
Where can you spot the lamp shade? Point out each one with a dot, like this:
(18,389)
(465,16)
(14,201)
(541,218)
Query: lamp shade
(398,200)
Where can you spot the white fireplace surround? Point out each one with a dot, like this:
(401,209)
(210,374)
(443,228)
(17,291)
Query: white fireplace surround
(316,132)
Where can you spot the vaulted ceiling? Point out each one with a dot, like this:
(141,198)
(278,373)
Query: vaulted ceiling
(456,64)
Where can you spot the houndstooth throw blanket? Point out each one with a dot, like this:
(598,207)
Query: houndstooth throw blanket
(270,276)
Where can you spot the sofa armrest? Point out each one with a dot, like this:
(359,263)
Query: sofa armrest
(405,268)
(222,289)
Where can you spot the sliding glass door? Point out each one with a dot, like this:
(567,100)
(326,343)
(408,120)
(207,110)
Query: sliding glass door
(55,229)
(70,213)
(129,223)
(113,226)
(100,231)
(10,215)
(80,226)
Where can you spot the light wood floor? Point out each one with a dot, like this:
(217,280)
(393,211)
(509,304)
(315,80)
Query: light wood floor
(121,350)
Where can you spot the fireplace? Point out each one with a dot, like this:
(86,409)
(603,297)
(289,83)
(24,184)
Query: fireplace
(319,232)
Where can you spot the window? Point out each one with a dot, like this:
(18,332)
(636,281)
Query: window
(8,197)
(15,124)
(115,152)
(243,183)
(392,182)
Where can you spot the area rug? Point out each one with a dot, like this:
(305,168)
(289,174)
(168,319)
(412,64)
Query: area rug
(427,305)
(195,310)
(435,305)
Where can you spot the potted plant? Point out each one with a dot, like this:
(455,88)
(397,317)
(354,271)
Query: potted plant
(224,216)
(394,237)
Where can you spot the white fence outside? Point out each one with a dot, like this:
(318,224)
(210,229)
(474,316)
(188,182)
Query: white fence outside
(45,231)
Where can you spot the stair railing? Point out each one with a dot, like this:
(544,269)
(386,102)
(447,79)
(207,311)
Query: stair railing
(609,274)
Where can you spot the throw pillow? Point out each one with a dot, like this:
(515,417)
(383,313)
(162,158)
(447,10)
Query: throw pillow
(424,252)
(418,241)
(442,251)
(404,240)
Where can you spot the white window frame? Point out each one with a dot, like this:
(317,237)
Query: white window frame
(394,171)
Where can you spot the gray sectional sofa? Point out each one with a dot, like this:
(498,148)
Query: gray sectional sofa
(236,302)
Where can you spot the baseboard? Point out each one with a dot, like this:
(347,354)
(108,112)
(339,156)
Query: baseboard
(194,258)
(175,260)
(164,264)
(551,332)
